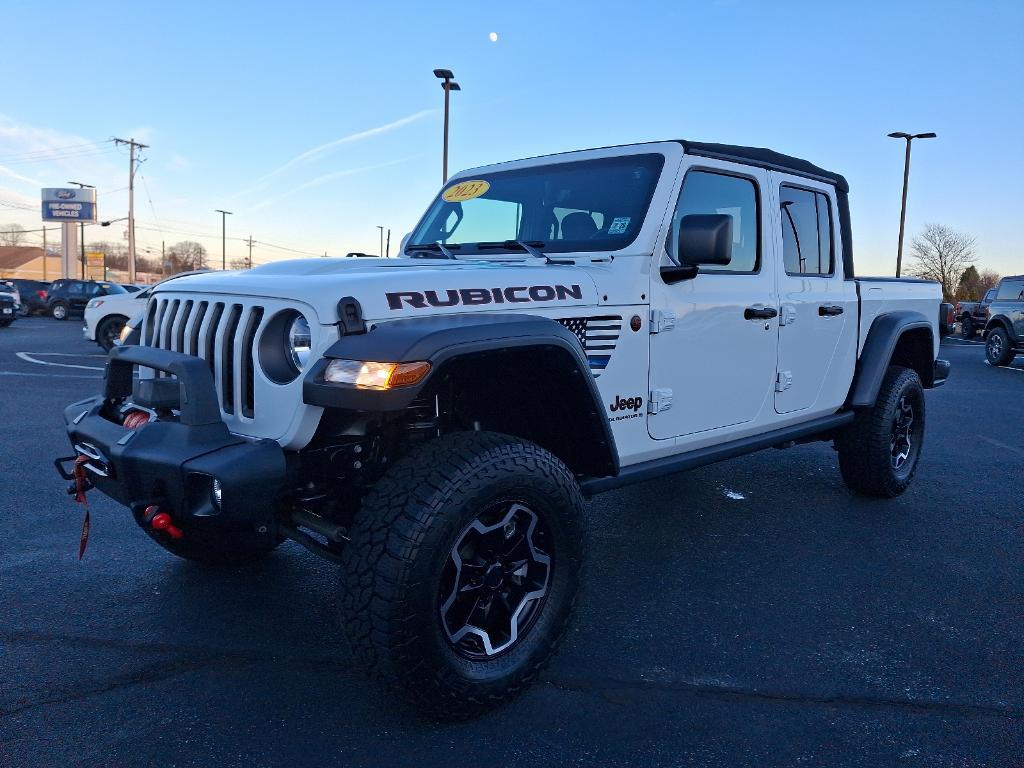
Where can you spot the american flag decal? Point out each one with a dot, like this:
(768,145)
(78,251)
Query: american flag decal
(597,336)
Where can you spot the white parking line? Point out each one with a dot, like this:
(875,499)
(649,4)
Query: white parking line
(1004,367)
(31,358)
(1004,446)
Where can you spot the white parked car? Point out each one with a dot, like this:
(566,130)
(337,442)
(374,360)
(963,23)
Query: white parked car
(105,316)
(555,327)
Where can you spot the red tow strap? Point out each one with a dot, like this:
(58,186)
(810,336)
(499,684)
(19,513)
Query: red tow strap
(80,485)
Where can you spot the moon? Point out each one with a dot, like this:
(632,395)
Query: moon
(493,37)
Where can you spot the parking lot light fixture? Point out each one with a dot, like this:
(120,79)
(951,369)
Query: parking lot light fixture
(908,137)
(448,84)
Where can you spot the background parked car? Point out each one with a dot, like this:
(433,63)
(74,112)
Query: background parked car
(68,297)
(973,315)
(7,288)
(105,316)
(1004,334)
(7,311)
(33,295)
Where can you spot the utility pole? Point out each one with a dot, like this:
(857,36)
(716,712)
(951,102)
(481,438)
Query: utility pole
(906,178)
(132,167)
(448,85)
(387,248)
(223,237)
(81,227)
(44,252)
(250,242)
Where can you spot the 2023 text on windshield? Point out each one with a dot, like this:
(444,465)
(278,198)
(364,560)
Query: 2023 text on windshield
(588,205)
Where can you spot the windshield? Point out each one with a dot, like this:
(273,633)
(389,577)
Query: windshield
(590,205)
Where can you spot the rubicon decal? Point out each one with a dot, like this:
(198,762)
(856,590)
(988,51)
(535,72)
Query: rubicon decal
(477,296)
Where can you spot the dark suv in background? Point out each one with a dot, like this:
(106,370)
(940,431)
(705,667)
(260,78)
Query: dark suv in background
(33,295)
(67,297)
(1004,331)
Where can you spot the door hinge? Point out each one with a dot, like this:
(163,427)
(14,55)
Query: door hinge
(659,400)
(783,381)
(662,320)
(788,314)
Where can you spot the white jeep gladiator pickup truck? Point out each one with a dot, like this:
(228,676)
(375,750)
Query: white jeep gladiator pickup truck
(554,327)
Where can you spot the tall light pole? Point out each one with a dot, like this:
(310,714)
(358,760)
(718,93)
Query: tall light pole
(449,85)
(223,237)
(81,228)
(381,251)
(906,177)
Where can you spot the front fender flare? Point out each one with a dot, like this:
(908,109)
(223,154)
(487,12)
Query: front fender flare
(439,340)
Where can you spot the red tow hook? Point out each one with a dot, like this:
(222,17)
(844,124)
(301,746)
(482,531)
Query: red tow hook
(161,521)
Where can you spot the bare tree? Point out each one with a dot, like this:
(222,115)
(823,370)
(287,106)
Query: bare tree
(186,255)
(988,278)
(238,264)
(12,234)
(942,254)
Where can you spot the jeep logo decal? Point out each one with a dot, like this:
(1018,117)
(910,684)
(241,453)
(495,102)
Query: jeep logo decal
(468,297)
(629,404)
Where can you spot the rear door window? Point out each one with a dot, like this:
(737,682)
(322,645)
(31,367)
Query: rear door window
(806,231)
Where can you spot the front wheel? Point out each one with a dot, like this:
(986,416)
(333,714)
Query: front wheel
(59,310)
(997,347)
(879,451)
(462,571)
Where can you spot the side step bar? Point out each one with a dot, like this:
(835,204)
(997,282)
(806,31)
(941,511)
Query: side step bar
(669,465)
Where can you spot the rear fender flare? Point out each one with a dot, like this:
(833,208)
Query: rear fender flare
(884,335)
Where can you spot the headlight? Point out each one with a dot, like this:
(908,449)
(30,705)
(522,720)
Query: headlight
(299,341)
(368,375)
(93,303)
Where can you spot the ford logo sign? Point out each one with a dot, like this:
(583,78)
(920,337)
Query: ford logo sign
(65,194)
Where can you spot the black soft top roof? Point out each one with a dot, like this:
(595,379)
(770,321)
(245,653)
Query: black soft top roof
(765,158)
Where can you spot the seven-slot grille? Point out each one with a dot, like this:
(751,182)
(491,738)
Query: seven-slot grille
(597,336)
(222,332)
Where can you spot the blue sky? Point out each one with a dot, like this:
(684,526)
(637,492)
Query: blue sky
(315,122)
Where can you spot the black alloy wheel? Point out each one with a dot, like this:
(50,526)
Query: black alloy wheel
(495,580)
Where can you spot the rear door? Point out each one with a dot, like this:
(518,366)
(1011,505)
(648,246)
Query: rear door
(818,307)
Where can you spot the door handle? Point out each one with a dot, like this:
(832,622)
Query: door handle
(829,310)
(760,313)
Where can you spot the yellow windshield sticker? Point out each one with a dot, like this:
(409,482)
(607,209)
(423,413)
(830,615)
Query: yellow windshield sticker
(465,190)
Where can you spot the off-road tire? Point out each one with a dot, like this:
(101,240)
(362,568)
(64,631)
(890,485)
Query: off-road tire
(59,310)
(5,323)
(108,330)
(967,329)
(225,549)
(865,450)
(998,349)
(401,540)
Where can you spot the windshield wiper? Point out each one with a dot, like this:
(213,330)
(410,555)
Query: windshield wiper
(445,250)
(532,247)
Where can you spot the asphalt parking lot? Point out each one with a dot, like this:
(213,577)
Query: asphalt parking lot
(749,613)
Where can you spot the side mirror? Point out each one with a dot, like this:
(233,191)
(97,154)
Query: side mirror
(705,238)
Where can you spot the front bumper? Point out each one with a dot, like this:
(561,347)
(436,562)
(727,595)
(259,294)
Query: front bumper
(171,463)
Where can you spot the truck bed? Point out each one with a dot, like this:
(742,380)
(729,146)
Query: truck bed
(887,294)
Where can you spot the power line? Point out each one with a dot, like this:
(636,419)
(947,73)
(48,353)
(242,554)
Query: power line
(70,148)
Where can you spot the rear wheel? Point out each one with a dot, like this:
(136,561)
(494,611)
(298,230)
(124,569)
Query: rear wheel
(967,329)
(997,347)
(462,571)
(59,310)
(879,451)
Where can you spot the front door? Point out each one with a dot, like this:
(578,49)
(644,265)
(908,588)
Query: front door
(817,307)
(713,357)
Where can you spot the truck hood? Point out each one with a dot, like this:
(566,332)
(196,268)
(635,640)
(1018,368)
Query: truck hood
(393,288)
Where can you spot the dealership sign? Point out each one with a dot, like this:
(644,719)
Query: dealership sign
(66,205)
